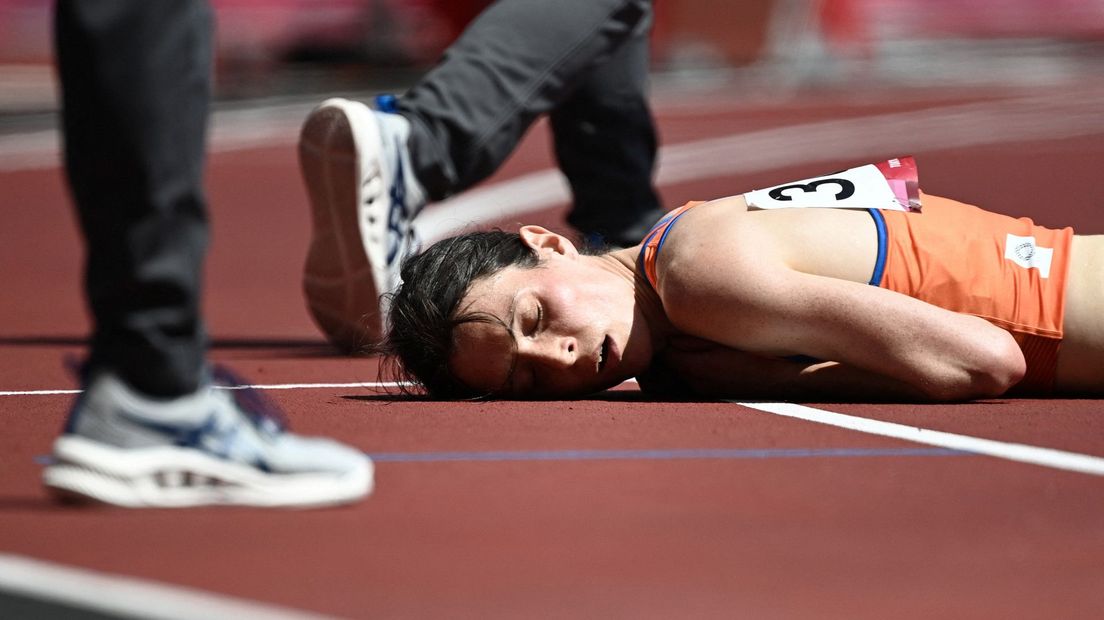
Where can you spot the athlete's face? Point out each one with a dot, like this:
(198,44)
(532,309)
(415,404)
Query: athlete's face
(567,327)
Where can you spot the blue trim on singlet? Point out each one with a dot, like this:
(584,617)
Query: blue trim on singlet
(875,279)
(879,264)
(659,246)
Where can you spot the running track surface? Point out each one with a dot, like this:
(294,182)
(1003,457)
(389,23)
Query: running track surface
(609,507)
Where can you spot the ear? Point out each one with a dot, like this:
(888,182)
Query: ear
(542,240)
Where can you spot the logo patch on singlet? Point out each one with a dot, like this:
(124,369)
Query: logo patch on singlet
(1024,252)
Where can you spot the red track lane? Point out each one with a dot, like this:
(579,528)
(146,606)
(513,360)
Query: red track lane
(844,537)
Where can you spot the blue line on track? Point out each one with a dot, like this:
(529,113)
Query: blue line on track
(640,455)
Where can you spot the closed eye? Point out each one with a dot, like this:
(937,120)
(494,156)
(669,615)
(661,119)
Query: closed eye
(537,323)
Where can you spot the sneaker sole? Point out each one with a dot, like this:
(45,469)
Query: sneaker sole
(171,477)
(340,281)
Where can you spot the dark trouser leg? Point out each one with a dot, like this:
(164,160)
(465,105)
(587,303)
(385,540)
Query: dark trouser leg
(136,81)
(518,60)
(605,141)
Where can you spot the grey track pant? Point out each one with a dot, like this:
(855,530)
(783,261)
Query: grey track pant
(136,82)
(582,62)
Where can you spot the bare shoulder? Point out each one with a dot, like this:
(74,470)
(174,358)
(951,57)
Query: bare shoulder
(703,220)
(714,243)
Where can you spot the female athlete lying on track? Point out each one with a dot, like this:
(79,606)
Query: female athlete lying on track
(919,298)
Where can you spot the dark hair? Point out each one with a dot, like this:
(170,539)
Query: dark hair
(423,311)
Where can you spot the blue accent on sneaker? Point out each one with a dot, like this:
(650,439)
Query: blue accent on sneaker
(264,413)
(397,218)
(181,436)
(387,103)
(207,437)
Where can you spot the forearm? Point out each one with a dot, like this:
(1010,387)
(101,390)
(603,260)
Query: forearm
(721,372)
(835,381)
(785,380)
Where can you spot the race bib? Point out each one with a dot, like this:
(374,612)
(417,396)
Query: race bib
(892,185)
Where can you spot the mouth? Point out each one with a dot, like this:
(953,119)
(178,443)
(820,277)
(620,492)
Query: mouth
(608,354)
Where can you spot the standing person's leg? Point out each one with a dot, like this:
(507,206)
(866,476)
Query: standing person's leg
(519,59)
(150,428)
(605,139)
(135,92)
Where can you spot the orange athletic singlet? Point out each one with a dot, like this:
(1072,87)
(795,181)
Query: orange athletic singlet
(1008,271)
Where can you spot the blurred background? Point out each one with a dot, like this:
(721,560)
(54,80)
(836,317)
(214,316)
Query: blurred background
(308,48)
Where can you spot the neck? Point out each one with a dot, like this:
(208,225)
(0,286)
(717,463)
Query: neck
(624,263)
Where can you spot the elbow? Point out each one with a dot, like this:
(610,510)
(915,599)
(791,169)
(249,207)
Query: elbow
(1005,368)
(998,378)
(992,373)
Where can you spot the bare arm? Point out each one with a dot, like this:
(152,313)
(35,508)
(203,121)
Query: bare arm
(702,368)
(725,282)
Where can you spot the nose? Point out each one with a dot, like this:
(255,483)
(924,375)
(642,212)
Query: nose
(553,351)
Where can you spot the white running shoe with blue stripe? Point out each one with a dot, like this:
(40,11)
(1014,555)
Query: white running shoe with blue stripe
(364,197)
(217,446)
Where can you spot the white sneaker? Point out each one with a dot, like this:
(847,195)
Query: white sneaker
(363,197)
(120,447)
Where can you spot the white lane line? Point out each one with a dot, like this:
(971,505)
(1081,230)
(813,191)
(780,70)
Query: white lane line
(129,596)
(269,386)
(37,392)
(314,386)
(276,386)
(1047,457)
(945,127)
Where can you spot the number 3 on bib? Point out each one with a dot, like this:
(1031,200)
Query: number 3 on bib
(892,184)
